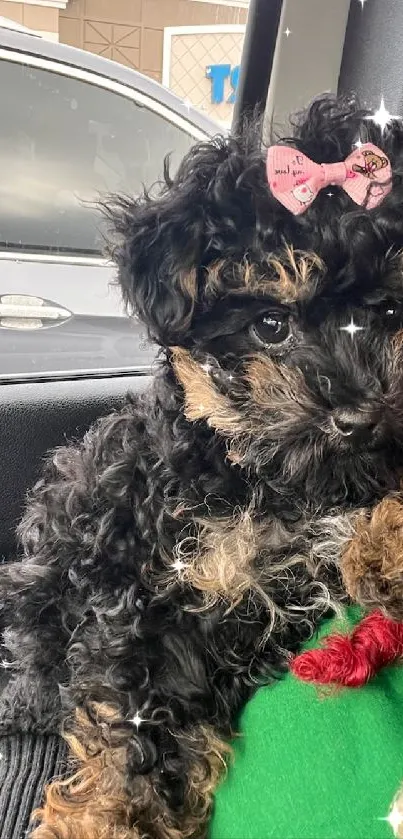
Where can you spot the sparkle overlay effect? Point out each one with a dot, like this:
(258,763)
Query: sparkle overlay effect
(351,328)
(382,116)
(395,818)
(287,32)
(178,565)
(361,2)
(137,720)
(213,368)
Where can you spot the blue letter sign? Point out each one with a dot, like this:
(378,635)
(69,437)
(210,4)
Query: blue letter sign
(218,73)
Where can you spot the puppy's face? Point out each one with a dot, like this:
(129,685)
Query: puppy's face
(303,380)
(284,331)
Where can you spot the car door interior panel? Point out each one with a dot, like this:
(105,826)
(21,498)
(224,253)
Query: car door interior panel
(39,416)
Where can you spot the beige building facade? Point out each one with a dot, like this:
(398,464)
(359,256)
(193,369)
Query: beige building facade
(41,17)
(191,46)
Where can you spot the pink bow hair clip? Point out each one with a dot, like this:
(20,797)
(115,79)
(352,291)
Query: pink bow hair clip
(295,180)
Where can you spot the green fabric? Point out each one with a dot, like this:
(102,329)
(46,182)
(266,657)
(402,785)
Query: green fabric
(315,767)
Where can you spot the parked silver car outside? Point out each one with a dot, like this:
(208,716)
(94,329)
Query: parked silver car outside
(74,127)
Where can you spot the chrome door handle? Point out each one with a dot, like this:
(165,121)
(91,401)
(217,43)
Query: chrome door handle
(23,311)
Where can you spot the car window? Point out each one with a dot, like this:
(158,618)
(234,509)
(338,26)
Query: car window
(64,143)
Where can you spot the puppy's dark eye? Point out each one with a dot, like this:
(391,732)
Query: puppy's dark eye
(272,328)
(392,314)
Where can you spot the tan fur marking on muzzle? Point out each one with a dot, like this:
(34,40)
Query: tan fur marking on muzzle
(276,387)
(397,347)
(203,401)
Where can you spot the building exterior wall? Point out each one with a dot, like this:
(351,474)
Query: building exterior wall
(173,41)
(41,16)
(132,31)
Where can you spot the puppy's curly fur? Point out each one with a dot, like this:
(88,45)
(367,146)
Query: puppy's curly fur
(174,559)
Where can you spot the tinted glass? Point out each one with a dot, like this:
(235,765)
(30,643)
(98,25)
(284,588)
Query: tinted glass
(63,143)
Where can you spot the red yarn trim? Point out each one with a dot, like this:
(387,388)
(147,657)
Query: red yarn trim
(352,660)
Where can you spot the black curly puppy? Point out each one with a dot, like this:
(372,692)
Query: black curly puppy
(175,559)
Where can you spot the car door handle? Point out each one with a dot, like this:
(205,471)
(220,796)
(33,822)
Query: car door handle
(23,311)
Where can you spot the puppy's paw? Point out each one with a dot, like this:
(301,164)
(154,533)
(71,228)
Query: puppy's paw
(372,564)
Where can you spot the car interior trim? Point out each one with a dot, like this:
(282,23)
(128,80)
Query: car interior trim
(74,375)
(64,258)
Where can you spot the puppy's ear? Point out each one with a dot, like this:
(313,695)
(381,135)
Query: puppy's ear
(163,243)
(157,248)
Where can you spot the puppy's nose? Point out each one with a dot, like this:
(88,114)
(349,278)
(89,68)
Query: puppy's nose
(356,422)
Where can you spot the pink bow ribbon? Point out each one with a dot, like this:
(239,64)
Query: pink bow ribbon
(295,180)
